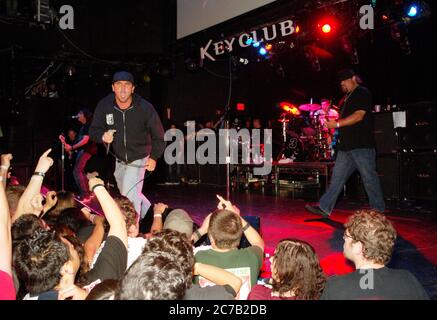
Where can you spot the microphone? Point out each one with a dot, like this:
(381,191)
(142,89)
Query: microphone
(112,131)
(75,117)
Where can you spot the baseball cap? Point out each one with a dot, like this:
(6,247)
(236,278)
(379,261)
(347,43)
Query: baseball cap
(123,76)
(179,220)
(346,74)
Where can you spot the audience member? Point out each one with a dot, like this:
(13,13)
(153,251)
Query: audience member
(369,241)
(296,274)
(7,291)
(225,227)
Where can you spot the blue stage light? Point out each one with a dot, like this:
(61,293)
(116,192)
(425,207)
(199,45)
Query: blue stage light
(412,11)
(256,44)
(263,51)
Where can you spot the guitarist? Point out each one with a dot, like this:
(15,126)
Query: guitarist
(356,147)
(85,150)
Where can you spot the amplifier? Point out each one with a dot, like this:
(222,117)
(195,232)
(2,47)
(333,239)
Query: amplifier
(419,175)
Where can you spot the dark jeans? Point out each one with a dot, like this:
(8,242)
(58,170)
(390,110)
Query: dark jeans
(363,160)
(79,172)
(174,172)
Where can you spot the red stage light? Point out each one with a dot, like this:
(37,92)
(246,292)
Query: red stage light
(326,28)
(327,25)
(269,47)
(241,107)
(297,29)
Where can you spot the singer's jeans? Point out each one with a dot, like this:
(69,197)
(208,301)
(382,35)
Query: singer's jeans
(363,160)
(130,183)
(79,172)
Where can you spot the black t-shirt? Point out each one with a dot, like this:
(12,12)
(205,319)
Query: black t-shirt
(195,292)
(388,284)
(111,263)
(359,135)
(90,147)
(86,231)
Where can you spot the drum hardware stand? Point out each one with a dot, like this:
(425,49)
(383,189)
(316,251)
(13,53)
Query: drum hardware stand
(62,167)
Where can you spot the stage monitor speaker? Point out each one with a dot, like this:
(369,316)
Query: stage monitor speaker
(387,167)
(419,177)
(385,133)
(419,138)
(421,130)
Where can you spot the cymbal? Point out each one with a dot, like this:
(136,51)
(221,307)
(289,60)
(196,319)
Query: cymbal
(310,107)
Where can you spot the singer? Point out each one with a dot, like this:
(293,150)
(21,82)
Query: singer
(85,149)
(138,141)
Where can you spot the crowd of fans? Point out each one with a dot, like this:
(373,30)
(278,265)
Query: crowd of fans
(52,250)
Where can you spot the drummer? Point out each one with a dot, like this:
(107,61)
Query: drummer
(326,113)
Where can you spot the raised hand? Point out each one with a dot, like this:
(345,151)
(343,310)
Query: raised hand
(6,159)
(91,175)
(159,208)
(51,199)
(36,204)
(44,162)
(93,182)
(227,205)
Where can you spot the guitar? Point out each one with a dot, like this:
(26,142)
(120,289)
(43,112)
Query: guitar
(334,142)
(333,145)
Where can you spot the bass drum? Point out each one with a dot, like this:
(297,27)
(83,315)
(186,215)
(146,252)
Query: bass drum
(295,149)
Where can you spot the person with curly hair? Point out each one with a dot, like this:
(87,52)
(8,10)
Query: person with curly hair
(369,241)
(296,274)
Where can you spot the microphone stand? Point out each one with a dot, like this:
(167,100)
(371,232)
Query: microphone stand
(227,127)
(62,167)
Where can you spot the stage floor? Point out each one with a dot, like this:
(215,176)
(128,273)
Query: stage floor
(283,216)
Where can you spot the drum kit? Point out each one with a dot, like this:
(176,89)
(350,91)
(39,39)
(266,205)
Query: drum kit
(304,136)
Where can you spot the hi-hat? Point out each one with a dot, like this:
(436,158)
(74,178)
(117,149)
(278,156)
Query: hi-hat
(310,107)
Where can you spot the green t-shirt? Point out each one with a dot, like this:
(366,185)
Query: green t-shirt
(238,261)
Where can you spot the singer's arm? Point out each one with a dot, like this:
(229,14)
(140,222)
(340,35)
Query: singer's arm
(81,143)
(157,133)
(98,125)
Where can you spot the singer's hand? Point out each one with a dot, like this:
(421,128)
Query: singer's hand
(151,165)
(62,138)
(68,148)
(108,136)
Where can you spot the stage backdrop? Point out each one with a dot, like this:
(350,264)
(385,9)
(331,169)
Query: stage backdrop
(197,15)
